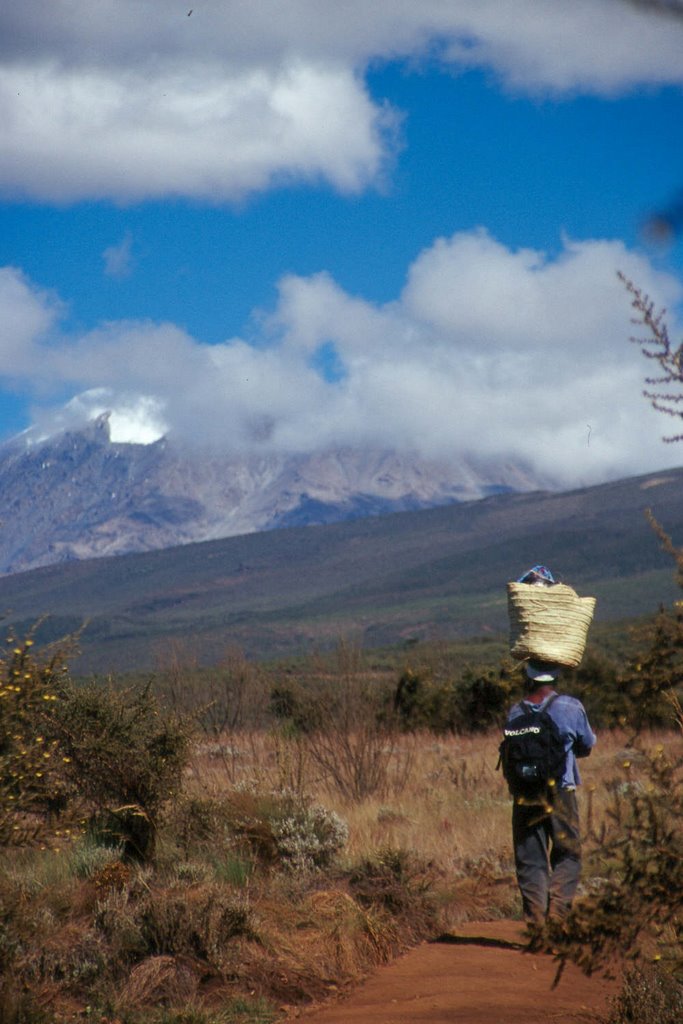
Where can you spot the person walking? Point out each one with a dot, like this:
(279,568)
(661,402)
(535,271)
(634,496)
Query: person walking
(545,824)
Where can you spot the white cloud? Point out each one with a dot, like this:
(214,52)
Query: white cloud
(523,300)
(131,99)
(118,259)
(27,314)
(74,133)
(597,46)
(487,351)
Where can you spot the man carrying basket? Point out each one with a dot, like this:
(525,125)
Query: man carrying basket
(544,735)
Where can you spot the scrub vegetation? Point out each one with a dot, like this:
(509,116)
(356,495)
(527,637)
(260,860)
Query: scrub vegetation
(231,843)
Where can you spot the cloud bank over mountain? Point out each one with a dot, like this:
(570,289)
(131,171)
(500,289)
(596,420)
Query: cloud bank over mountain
(486,351)
(489,348)
(137,99)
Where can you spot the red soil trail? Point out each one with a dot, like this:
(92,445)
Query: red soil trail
(478,974)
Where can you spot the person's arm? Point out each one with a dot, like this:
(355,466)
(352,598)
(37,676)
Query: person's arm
(585,738)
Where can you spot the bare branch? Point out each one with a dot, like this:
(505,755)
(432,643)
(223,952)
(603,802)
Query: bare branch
(656,345)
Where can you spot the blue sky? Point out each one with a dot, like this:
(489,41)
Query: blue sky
(301,224)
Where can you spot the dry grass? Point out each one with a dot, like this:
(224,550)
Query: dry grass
(452,810)
(160,980)
(203,926)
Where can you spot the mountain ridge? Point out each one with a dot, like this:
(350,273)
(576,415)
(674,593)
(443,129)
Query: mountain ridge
(80,495)
(434,573)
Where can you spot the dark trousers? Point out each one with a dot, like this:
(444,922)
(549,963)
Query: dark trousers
(547,855)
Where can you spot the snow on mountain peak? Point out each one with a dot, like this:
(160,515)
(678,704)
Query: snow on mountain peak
(131,418)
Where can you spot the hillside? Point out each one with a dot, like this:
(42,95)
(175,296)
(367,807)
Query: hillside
(433,573)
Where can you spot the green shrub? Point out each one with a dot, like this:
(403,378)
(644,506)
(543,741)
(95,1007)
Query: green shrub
(296,708)
(655,671)
(61,745)
(125,757)
(473,703)
(639,859)
(598,685)
(634,693)
(481,699)
(32,783)
(413,702)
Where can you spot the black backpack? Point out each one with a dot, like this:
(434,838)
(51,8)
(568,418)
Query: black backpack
(532,753)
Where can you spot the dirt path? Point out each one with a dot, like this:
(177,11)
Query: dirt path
(478,974)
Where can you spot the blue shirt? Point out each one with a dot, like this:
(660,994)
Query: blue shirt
(570,716)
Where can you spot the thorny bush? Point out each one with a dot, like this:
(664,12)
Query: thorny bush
(126,758)
(32,762)
(640,901)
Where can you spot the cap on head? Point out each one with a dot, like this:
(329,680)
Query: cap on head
(542,671)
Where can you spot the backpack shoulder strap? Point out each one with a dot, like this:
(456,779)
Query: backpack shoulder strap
(525,705)
(520,705)
(551,701)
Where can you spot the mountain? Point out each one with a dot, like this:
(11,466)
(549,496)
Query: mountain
(78,495)
(435,573)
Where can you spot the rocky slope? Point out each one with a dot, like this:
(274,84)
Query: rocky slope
(79,495)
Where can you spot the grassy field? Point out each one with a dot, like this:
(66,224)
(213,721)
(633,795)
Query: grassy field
(245,912)
(225,843)
(443,799)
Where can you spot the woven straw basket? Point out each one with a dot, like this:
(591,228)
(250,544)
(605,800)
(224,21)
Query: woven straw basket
(548,623)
